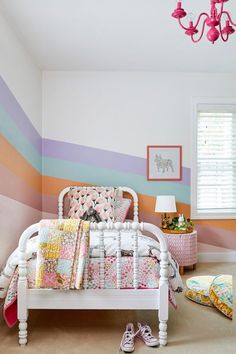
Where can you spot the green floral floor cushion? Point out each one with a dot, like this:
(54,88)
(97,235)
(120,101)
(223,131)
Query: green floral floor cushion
(198,289)
(221,294)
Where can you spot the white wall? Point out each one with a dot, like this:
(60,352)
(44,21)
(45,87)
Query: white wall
(24,79)
(20,73)
(128,109)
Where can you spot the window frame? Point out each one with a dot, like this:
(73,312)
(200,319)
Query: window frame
(196,102)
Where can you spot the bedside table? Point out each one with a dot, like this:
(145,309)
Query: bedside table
(183,247)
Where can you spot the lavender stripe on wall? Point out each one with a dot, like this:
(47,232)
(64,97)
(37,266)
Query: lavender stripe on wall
(100,158)
(12,107)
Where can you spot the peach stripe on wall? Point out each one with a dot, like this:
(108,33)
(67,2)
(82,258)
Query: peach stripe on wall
(11,159)
(51,186)
(15,188)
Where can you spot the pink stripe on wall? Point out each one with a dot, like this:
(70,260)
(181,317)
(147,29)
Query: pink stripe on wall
(15,217)
(49,203)
(15,188)
(216,236)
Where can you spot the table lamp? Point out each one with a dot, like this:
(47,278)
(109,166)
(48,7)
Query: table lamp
(165,204)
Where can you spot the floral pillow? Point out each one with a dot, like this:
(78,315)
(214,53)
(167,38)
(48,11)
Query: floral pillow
(122,206)
(102,199)
(221,294)
(198,289)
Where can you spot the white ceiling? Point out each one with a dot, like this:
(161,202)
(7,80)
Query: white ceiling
(136,35)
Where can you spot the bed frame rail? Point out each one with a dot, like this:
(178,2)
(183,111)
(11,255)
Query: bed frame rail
(28,298)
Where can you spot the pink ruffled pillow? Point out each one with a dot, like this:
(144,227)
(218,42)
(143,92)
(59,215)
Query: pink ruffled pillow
(122,206)
(100,198)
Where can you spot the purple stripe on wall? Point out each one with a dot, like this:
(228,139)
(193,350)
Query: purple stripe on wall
(100,158)
(12,107)
(14,187)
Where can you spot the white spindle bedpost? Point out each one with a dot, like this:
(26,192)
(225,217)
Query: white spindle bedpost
(22,308)
(135,227)
(136,209)
(61,202)
(22,301)
(101,226)
(163,289)
(163,295)
(86,270)
(60,210)
(118,255)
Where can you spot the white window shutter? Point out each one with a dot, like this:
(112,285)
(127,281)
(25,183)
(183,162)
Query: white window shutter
(215,162)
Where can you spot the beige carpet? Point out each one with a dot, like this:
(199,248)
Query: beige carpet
(191,329)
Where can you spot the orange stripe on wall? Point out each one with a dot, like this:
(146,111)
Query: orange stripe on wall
(11,159)
(52,186)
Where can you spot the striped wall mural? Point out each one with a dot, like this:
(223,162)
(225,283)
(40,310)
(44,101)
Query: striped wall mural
(20,172)
(34,170)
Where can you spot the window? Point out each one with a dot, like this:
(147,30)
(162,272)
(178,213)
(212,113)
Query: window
(214,161)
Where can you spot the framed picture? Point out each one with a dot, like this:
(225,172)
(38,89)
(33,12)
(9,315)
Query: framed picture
(164,163)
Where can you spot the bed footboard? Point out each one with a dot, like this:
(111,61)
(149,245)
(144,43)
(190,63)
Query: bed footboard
(161,303)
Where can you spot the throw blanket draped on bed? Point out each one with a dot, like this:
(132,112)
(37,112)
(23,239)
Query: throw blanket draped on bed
(62,250)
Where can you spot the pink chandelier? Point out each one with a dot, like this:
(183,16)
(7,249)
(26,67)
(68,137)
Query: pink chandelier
(213,20)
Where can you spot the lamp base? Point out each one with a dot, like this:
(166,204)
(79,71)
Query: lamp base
(165,220)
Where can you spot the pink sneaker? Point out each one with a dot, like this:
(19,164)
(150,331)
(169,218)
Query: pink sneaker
(127,342)
(145,333)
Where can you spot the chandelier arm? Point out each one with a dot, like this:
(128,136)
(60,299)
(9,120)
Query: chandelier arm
(203,29)
(199,18)
(181,25)
(197,23)
(224,39)
(229,17)
(222,8)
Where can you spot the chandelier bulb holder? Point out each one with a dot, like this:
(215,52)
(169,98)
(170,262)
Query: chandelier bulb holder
(212,19)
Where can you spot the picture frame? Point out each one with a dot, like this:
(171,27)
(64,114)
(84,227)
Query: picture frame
(164,162)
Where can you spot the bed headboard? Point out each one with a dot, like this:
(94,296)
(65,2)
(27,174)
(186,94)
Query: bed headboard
(122,190)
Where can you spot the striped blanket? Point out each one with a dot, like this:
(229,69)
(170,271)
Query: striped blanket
(63,246)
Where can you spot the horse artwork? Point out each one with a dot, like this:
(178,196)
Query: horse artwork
(163,165)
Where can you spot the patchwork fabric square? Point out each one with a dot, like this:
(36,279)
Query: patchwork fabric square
(51,266)
(67,239)
(49,279)
(54,236)
(43,234)
(67,252)
(64,266)
(49,250)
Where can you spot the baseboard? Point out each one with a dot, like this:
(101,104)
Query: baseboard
(206,257)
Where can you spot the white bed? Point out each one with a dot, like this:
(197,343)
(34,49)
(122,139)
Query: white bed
(145,299)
